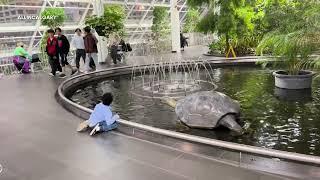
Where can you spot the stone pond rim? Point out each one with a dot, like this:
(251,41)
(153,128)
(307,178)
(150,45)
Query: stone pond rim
(301,81)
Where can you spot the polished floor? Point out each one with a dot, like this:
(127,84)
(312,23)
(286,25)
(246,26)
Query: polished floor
(38,141)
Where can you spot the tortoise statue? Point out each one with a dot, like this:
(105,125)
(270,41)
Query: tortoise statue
(208,109)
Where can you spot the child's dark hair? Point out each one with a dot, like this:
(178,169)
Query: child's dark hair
(78,29)
(58,29)
(107,99)
(50,31)
(87,29)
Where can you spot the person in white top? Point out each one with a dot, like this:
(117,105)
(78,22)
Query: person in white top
(78,43)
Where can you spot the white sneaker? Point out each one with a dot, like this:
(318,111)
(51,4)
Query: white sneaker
(50,74)
(95,130)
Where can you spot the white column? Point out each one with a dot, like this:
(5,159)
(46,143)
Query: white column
(175,27)
(98,8)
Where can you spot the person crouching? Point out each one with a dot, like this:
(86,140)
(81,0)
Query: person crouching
(101,119)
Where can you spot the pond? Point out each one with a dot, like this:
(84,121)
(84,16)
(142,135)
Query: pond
(279,119)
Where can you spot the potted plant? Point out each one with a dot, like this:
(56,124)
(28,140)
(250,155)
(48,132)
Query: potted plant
(293,43)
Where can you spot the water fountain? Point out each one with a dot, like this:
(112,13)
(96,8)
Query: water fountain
(197,107)
(174,79)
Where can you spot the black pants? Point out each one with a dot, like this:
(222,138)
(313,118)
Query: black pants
(92,64)
(54,64)
(80,53)
(63,58)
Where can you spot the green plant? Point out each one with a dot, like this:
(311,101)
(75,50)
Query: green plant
(230,19)
(295,37)
(57,13)
(160,28)
(160,23)
(111,22)
(4,2)
(217,47)
(192,19)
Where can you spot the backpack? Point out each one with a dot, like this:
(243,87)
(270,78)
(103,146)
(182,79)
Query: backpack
(35,58)
(129,47)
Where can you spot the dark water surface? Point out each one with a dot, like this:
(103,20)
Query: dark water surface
(283,120)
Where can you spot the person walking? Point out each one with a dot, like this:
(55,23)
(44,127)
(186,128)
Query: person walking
(78,43)
(63,50)
(52,52)
(183,41)
(90,44)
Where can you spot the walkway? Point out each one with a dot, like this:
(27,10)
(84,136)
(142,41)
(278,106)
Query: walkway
(38,142)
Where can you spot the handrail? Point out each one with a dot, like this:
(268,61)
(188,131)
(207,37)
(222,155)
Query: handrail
(213,142)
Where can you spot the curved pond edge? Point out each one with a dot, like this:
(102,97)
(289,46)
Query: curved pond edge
(84,113)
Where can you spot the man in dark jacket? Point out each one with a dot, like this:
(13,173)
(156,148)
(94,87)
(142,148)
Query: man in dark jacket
(63,50)
(52,51)
(90,45)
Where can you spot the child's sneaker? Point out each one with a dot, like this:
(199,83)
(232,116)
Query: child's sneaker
(95,130)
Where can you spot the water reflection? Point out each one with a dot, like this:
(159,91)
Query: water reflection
(301,95)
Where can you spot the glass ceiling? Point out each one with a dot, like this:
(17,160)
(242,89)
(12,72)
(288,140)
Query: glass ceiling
(13,30)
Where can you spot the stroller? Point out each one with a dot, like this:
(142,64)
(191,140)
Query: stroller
(122,49)
(120,53)
(36,63)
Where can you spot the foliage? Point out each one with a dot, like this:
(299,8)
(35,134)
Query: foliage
(242,46)
(220,19)
(2,2)
(59,15)
(160,23)
(192,19)
(295,36)
(217,47)
(43,44)
(160,29)
(111,22)
(233,21)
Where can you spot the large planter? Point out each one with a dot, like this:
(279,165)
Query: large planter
(301,81)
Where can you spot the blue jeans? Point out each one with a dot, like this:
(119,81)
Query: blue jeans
(105,127)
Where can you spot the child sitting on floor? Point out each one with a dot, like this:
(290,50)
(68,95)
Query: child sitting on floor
(101,119)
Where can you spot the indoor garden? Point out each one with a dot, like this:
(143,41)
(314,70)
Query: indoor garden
(160,89)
